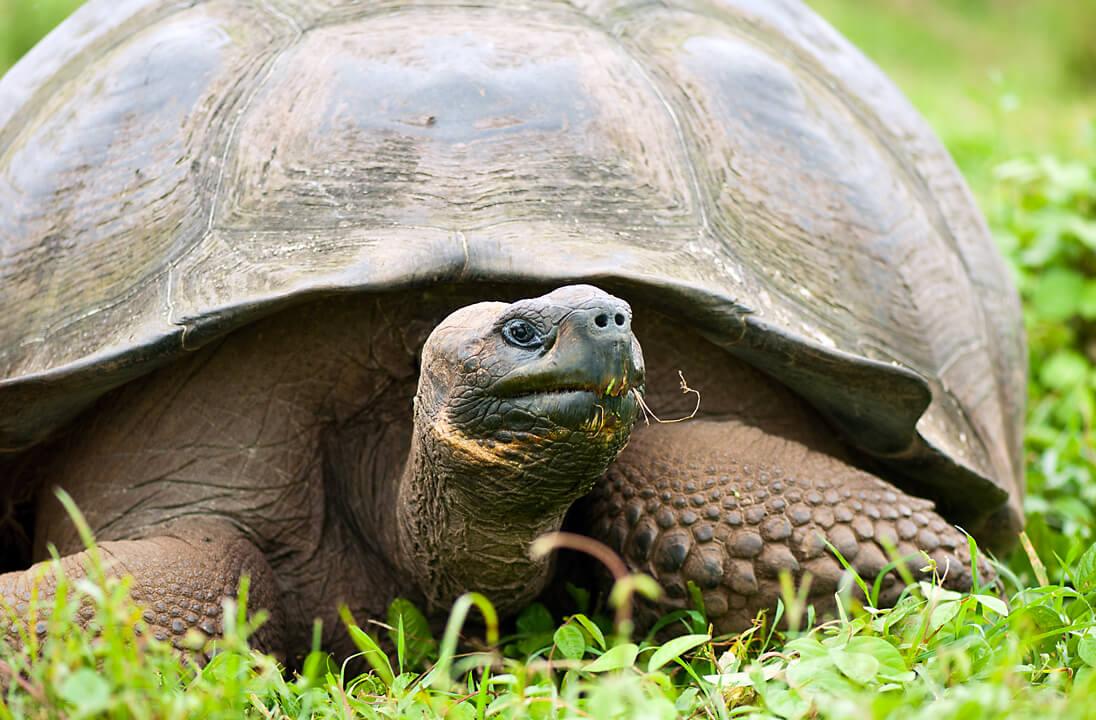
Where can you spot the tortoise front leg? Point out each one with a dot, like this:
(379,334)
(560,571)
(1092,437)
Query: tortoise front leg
(728,506)
(180,578)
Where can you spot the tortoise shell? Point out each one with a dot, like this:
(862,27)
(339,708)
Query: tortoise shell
(170,171)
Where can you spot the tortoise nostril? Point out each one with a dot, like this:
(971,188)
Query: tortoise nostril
(619,318)
(602,320)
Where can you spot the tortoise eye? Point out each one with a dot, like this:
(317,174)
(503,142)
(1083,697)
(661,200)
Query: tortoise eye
(522,334)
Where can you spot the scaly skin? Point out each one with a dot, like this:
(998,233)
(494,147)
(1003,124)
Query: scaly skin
(318,459)
(507,438)
(322,488)
(728,506)
(180,578)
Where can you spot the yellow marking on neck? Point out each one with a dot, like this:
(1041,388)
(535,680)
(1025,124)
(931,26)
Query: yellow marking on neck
(470,449)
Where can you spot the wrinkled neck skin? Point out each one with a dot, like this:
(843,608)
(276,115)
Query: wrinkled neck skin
(468,509)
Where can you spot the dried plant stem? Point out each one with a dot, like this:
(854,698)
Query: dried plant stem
(603,553)
(685,389)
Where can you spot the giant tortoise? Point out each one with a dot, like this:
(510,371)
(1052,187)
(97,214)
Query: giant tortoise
(262,269)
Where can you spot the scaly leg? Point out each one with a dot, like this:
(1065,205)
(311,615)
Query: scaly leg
(728,506)
(180,579)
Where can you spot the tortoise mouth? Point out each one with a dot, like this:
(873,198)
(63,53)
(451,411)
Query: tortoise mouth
(580,407)
(612,389)
(616,379)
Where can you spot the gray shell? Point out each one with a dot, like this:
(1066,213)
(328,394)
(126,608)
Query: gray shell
(172,170)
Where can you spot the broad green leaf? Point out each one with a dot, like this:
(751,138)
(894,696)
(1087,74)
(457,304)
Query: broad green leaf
(570,641)
(500,704)
(891,664)
(1075,407)
(687,700)
(531,644)
(535,619)
(419,641)
(992,603)
(935,593)
(944,613)
(784,702)
(615,658)
(1084,571)
(807,647)
(1086,648)
(858,667)
(461,711)
(818,675)
(592,628)
(1085,231)
(893,620)
(535,628)
(675,649)
(86,691)
(804,671)
(1037,620)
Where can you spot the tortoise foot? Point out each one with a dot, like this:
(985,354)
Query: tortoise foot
(180,579)
(729,507)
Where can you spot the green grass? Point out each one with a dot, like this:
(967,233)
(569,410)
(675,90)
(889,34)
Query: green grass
(1044,216)
(936,653)
(1011,88)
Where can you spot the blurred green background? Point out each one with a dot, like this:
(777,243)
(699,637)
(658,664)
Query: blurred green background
(1010,87)
(23,22)
(995,78)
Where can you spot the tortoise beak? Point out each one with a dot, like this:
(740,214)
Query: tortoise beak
(598,347)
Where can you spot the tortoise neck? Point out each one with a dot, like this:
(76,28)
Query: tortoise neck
(465,523)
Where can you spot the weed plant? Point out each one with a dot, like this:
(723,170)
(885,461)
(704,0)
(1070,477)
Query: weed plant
(936,653)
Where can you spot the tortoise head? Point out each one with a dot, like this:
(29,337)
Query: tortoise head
(545,386)
(520,409)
